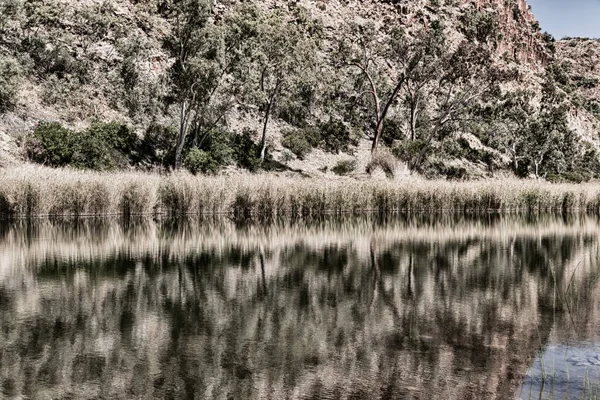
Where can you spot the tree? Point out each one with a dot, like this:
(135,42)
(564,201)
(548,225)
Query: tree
(9,75)
(280,57)
(508,121)
(424,66)
(377,65)
(205,56)
(467,77)
(548,129)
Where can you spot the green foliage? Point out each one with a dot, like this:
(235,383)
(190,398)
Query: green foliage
(100,147)
(297,143)
(480,26)
(220,148)
(198,160)
(336,136)
(550,42)
(585,82)
(408,150)
(333,136)
(56,142)
(280,60)
(116,135)
(245,150)
(345,167)
(158,145)
(93,152)
(218,143)
(9,74)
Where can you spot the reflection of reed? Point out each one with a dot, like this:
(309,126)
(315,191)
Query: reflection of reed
(339,309)
(23,242)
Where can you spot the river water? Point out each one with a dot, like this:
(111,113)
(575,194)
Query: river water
(353,308)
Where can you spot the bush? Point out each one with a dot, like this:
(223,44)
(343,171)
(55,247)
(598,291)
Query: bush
(333,136)
(218,143)
(337,136)
(55,144)
(158,145)
(297,143)
(197,161)
(102,146)
(455,173)
(220,148)
(344,167)
(92,152)
(246,153)
(9,73)
(116,136)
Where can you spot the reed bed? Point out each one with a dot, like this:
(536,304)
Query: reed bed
(32,191)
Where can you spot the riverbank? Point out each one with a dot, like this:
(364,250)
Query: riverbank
(31,191)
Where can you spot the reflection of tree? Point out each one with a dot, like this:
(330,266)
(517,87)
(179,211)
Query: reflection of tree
(391,317)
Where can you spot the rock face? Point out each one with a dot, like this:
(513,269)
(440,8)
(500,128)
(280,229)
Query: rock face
(521,38)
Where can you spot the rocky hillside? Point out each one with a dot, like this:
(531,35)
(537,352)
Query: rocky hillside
(76,62)
(580,60)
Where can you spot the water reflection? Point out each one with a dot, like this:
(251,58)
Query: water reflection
(324,309)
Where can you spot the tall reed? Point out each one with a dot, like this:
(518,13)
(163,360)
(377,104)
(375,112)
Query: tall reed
(32,191)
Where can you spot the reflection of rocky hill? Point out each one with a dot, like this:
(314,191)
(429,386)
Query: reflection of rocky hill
(376,312)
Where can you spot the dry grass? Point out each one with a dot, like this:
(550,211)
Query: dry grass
(32,191)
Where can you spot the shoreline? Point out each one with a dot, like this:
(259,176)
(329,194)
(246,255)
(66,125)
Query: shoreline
(40,192)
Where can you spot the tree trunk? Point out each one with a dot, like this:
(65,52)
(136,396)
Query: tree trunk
(382,114)
(263,140)
(183,130)
(413,119)
(378,132)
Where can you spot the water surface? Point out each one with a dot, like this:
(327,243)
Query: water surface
(354,308)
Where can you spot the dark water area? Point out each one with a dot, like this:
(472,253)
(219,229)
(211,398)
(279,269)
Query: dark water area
(355,308)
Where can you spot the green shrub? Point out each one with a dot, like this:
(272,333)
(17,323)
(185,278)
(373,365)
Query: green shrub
(56,143)
(455,173)
(218,143)
(102,146)
(409,150)
(392,131)
(344,167)
(197,161)
(333,136)
(158,145)
(297,143)
(92,152)
(245,151)
(9,73)
(337,136)
(115,135)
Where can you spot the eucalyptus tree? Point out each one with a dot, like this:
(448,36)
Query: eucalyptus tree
(206,55)
(549,137)
(375,62)
(280,60)
(467,77)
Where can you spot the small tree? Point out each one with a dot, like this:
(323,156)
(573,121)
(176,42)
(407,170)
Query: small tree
(468,77)
(376,64)
(9,74)
(205,55)
(507,122)
(280,57)
(548,129)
